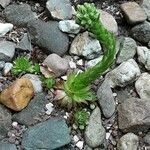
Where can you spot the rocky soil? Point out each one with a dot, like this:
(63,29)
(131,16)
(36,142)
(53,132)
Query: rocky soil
(45,32)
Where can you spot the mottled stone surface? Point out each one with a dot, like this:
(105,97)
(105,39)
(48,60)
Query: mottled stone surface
(133,115)
(48,36)
(51,134)
(133,13)
(19,15)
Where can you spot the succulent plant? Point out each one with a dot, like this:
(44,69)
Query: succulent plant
(48,82)
(81,118)
(77,86)
(23,65)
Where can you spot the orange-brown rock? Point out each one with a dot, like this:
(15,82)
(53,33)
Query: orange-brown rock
(18,95)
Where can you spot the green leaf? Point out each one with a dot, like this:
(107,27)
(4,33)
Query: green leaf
(48,82)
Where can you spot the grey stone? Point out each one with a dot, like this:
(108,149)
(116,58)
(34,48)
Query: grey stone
(69,26)
(48,36)
(4,3)
(8,66)
(57,64)
(141,32)
(61,9)
(95,132)
(86,46)
(124,93)
(7,50)
(142,86)
(129,141)
(24,43)
(28,115)
(149,44)
(87,148)
(37,84)
(144,56)
(146,7)
(93,62)
(7,146)
(133,13)
(127,49)
(133,115)
(122,75)
(19,15)
(4,28)
(5,123)
(147,138)
(106,99)
(48,135)
(2,64)
(108,21)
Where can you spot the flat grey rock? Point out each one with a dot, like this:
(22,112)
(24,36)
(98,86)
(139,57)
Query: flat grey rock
(7,50)
(95,132)
(86,46)
(133,115)
(129,141)
(61,9)
(141,32)
(144,56)
(122,75)
(4,28)
(147,138)
(4,3)
(106,99)
(7,146)
(49,135)
(48,36)
(108,21)
(57,64)
(146,7)
(127,49)
(5,122)
(133,13)
(28,115)
(142,86)
(19,15)
(25,43)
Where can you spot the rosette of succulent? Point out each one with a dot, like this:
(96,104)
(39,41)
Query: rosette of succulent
(76,89)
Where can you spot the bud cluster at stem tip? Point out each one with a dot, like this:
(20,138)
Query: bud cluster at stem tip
(87,15)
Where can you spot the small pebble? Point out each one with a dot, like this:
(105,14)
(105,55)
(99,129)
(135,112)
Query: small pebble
(80,62)
(49,108)
(108,126)
(80,144)
(75,126)
(7,68)
(2,64)
(117,102)
(76,57)
(65,117)
(114,94)
(15,124)
(64,77)
(75,138)
(72,65)
(107,135)
(92,106)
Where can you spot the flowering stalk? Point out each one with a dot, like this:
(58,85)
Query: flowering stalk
(77,85)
